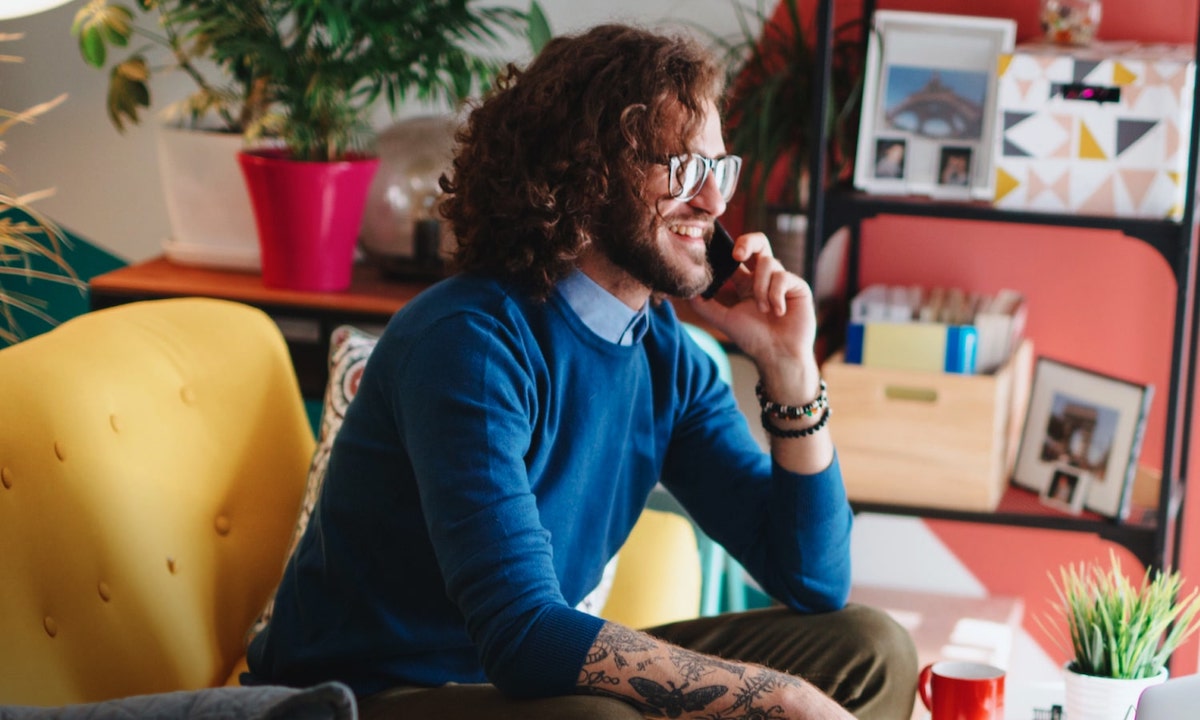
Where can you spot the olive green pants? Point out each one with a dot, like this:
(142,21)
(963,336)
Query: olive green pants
(859,656)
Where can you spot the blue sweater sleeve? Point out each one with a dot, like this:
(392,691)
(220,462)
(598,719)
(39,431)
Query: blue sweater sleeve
(465,418)
(791,532)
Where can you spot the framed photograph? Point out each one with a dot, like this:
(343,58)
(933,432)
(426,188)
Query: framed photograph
(929,104)
(1067,489)
(1084,425)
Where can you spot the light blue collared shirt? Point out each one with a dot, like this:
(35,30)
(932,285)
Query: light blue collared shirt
(602,312)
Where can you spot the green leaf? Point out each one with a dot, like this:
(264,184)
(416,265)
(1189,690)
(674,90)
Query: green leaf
(91,46)
(538,28)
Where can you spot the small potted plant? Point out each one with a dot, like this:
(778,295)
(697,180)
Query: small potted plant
(202,134)
(326,64)
(1121,635)
(31,246)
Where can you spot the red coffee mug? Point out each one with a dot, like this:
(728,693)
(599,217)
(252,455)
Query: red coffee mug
(962,691)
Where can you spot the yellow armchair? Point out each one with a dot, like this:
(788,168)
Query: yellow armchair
(153,458)
(152,462)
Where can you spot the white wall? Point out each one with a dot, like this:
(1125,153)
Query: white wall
(107,182)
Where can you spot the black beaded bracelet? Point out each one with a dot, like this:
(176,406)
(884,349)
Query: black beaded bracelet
(791,412)
(779,432)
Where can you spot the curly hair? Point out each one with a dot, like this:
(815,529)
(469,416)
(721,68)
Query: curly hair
(556,154)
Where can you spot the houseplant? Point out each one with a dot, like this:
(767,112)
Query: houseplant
(201,135)
(325,65)
(31,246)
(771,76)
(1121,635)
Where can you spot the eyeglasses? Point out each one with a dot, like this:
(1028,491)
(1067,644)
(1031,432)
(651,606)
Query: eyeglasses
(689,172)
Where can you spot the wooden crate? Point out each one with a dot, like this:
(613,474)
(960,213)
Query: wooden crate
(928,439)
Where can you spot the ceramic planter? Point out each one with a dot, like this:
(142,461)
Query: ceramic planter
(308,216)
(1099,698)
(212,223)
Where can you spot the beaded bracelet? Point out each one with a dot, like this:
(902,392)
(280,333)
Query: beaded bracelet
(791,412)
(779,432)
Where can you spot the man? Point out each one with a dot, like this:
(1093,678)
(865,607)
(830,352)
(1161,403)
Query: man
(513,419)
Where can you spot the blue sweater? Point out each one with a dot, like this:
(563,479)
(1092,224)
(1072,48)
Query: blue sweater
(496,456)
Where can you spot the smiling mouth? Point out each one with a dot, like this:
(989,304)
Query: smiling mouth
(690,231)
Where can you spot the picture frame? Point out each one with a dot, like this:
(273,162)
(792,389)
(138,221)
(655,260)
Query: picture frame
(1085,425)
(1067,489)
(929,104)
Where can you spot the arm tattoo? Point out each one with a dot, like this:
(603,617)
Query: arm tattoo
(620,655)
(675,701)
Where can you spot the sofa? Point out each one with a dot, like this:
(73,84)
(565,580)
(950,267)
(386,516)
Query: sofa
(154,460)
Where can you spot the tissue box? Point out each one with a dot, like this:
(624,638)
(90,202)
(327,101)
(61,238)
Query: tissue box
(937,440)
(1096,130)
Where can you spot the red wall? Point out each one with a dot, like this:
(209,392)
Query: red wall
(1096,299)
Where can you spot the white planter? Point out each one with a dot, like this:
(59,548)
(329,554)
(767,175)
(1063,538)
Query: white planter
(1098,698)
(212,224)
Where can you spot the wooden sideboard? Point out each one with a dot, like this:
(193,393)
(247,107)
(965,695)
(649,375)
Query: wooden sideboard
(306,318)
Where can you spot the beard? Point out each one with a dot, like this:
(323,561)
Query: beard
(634,247)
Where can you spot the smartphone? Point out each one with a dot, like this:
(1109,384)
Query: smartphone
(720,258)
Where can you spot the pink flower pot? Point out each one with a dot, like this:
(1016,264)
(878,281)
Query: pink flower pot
(308,216)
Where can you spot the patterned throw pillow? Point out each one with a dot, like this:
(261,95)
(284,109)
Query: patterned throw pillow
(349,349)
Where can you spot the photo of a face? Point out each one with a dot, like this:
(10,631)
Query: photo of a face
(954,169)
(935,103)
(1063,486)
(889,158)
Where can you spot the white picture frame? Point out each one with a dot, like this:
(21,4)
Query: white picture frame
(929,104)
(1087,425)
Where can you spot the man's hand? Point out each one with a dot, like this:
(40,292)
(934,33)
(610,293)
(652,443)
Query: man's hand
(770,314)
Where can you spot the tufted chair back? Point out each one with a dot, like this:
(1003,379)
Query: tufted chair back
(152,461)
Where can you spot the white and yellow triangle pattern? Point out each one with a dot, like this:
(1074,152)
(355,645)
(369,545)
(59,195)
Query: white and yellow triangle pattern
(1124,158)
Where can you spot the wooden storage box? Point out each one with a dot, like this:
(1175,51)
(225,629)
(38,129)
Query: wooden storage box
(942,440)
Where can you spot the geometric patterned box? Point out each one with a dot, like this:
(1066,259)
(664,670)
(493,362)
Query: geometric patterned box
(1095,130)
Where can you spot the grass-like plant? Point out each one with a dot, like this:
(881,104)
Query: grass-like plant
(31,246)
(1118,629)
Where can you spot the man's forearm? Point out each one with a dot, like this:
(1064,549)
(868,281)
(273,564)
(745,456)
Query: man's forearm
(663,680)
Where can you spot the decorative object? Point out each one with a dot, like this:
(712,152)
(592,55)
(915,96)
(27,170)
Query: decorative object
(771,75)
(402,231)
(1070,22)
(31,245)
(1119,635)
(929,104)
(1102,130)
(309,53)
(308,216)
(1087,424)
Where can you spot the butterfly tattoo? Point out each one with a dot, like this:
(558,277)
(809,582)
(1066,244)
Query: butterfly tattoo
(675,701)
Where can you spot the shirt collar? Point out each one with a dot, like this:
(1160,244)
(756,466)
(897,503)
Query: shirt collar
(602,312)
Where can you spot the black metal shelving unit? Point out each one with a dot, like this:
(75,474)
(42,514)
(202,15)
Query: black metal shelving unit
(1156,540)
